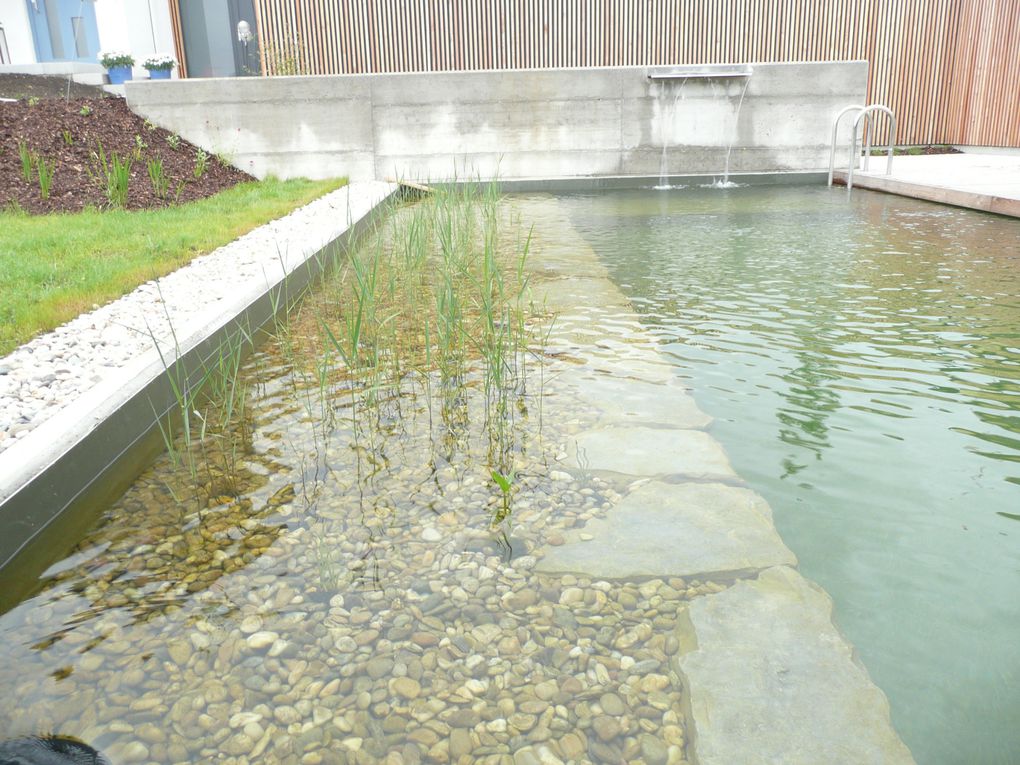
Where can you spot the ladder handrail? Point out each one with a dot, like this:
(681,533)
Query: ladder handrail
(835,127)
(866,115)
(863,113)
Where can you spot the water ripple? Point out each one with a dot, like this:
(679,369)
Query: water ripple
(861,359)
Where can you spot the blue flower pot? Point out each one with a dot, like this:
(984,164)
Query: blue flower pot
(119,74)
(159,74)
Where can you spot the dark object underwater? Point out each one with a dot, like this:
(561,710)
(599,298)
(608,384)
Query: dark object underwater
(49,750)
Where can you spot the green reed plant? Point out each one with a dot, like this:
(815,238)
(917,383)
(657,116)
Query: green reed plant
(45,169)
(224,413)
(208,430)
(118,176)
(157,177)
(431,301)
(112,174)
(27,159)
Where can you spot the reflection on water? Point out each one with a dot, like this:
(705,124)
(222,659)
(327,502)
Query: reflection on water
(862,357)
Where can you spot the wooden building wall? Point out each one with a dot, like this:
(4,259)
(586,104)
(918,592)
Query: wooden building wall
(949,69)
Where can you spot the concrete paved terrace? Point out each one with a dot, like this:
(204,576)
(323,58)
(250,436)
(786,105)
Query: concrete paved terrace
(987,182)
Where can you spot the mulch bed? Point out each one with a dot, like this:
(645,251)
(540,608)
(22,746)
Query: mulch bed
(70,133)
(25,86)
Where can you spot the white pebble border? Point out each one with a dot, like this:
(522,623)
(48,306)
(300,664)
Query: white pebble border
(51,373)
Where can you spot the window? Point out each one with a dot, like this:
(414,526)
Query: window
(53,22)
(81,38)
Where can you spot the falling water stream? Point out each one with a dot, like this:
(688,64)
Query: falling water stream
(670,118)
(733,139)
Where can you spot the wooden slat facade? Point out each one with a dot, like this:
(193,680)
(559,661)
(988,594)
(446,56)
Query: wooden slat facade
(949,69)
(178,33)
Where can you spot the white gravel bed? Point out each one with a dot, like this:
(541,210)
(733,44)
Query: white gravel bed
(54,371)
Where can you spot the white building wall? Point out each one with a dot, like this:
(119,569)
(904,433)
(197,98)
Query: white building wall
(18,31)
(139,26)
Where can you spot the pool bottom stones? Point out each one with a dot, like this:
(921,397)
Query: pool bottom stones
(766,676)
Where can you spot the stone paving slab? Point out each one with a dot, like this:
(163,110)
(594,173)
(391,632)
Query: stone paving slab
(770,680)
(661,529)
(650,452)
(619,400)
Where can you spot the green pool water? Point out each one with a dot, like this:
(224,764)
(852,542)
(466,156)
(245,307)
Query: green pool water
(861,356)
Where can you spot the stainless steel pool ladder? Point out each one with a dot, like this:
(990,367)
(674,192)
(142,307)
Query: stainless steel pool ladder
(863,113)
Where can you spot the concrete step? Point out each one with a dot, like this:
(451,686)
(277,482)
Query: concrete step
(53,68)
(91,78)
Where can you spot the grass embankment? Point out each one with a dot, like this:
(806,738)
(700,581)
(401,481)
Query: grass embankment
(54,267)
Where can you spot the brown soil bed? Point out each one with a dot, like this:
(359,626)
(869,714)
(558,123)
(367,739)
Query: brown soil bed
(25,86)
(70,134)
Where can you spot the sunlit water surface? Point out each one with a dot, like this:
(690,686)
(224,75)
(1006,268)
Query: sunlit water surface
(862,358)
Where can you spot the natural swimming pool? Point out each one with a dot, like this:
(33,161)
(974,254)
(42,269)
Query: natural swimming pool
(351,595)
(861,356)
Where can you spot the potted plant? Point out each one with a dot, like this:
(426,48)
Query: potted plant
(118,65)
(159,66)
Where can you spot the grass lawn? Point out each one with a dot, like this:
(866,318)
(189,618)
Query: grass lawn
(54,267)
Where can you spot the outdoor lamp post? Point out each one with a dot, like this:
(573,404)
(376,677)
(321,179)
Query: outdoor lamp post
(245,36)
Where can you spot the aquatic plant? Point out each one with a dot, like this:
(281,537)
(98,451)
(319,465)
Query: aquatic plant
(505,484)
(207,430)
(426,312)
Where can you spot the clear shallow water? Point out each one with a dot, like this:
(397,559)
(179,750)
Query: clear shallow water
(862,359)
(329,585)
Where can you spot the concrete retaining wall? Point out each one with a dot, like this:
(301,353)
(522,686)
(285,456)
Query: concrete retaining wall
(538,123)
